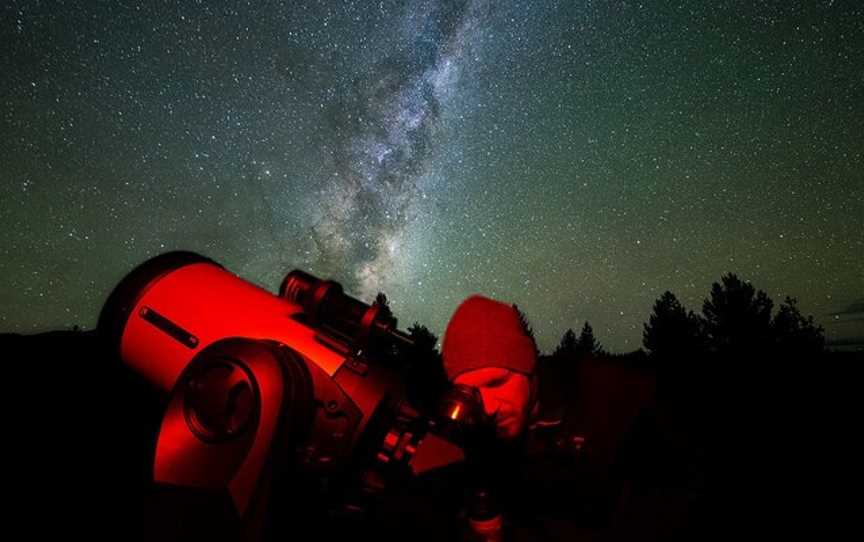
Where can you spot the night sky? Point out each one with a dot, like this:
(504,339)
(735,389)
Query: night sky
(577,158)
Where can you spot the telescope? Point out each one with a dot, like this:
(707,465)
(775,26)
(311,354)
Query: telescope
(265,387)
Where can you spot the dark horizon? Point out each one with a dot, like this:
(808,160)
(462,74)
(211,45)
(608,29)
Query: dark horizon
(847,321)
(845,343)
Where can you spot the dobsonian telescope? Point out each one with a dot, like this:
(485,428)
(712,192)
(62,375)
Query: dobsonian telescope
(264,386)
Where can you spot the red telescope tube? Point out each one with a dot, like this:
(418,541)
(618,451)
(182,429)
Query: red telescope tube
(174,305)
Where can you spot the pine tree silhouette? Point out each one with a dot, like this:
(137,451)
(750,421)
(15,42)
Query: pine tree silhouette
(587,343)
(672,331)
(737,317)
(794,334)
(569,345)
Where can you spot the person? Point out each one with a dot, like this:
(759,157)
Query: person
(537,495)
(486,346)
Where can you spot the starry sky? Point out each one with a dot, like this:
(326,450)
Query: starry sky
(577,158)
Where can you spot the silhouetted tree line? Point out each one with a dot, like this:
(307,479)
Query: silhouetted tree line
(729,368)
(736,321)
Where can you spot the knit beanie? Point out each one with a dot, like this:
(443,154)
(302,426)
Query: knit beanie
(486,333)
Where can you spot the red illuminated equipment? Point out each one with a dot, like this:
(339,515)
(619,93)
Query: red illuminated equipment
(263,386)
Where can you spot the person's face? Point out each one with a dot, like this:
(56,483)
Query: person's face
(505,397)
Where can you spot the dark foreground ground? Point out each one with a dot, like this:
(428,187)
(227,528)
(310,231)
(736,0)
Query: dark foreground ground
(739,452)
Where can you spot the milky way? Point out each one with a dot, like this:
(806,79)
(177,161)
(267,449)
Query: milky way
(383,126)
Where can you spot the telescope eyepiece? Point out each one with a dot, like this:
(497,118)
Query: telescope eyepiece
(326,304)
